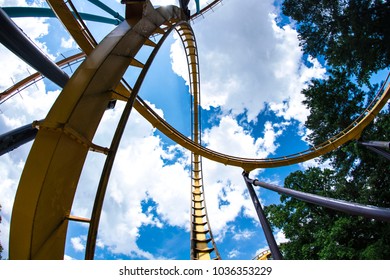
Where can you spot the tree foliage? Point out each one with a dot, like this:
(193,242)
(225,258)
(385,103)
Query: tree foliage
(334,104)
(358,175)
(315,232)
(352,34)
(353,37)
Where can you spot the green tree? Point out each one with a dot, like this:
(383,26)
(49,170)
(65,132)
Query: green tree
(352,34)
(315,232)
(353,38)
(359,175)
(334,104)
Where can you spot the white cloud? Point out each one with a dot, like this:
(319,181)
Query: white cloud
(281,237)
(32,104)
(226,194)
(233,254)
(247,60)
(139,175)
(165,2)
(231,138)
(68,43)
(243,234)
(238,71)
(68,258)
(78,243)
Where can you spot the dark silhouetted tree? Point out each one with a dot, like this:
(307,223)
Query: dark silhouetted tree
(352,34)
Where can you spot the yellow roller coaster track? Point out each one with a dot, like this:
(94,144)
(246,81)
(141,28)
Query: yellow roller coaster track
(352,132)
(41,211)
(60,131)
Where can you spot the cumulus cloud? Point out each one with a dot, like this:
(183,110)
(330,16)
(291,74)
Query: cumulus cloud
(31,104)
(231,138)
(78,243)
(226,193)
(233,254)
(243,234)
(68,43)
(247,61)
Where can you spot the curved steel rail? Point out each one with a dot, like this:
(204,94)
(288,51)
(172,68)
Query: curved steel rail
(62,129)
(206,9)
(201,234)
(352,132)
(78,151)
(33,78)
(263,256)
(199,241)
(45,193)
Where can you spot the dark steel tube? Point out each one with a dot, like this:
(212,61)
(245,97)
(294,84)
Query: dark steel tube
(377,144)
(367,211)
(379,151)
(17,137)
(263,221)
(12,37)
(107,9)
(47,12)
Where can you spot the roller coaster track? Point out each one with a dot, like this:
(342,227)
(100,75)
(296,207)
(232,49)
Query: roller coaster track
(352,132)
(66,126)
(207,8)
(59,121)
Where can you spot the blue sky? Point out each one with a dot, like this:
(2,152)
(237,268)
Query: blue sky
(252,73)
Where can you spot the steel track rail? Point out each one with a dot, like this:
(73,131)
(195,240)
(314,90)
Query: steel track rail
(352,132)
(45,192)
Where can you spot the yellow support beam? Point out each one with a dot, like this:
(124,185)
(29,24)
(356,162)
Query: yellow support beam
(46,190)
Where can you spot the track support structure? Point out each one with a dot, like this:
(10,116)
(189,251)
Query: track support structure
(275,252)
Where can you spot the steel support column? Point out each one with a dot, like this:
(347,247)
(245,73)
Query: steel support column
(367,211)
(107,9)
(379,147)
(17,137)
(47,12)
(12,37)
(275,252)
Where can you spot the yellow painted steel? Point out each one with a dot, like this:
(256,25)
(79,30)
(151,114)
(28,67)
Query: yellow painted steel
(352,132)
(200,243)
(19,86)
(46,190)
(263,256)
(75,28)
(201,234)
(45,194)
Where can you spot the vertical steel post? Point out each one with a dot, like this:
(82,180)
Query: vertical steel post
(275,252)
